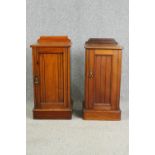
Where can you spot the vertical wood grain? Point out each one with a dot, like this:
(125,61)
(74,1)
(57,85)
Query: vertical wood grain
(119,77)
(42,78)
(52,78)
(68,78)
(114,81)
(108,79)
(103,79)
(60,78)
(97,79)
(65,78)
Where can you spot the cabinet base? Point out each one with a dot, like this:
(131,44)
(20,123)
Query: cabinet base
(52,114)
(101,115)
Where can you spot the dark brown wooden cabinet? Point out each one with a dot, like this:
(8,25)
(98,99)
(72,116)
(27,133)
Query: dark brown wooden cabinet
(51,78)
(102,79)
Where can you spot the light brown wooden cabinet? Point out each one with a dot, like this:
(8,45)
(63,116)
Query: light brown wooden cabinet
(51,78)
(102,79)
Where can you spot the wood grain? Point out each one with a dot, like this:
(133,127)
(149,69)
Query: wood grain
(102,115)
(108,79)
(97,79)
(90,80)
(51,69)
(103,90)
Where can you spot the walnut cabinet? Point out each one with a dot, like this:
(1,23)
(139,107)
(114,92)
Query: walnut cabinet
(102,79)
(51,78)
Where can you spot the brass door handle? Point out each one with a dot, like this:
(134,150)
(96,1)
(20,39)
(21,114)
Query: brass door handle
(91,75)
(36,80)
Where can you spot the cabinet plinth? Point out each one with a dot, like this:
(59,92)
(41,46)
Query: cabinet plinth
(102,79)
(51,78)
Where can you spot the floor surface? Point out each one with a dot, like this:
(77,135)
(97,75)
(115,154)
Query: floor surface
(77,136)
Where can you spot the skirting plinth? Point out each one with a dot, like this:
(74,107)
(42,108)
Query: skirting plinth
(101,115)
(52,114)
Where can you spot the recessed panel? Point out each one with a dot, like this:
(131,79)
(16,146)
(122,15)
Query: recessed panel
(51,78)
(102,81)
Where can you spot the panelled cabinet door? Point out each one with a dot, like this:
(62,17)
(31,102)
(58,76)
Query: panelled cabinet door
(52,77)
(102,79)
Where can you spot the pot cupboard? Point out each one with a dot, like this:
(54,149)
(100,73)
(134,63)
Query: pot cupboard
(103,57)
(51,78)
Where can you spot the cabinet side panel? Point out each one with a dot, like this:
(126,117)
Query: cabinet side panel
(119,77)
(114,87)
(68,81)
(65,68)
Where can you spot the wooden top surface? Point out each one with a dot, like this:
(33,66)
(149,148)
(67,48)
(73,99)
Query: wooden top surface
(102,43)
(52,41)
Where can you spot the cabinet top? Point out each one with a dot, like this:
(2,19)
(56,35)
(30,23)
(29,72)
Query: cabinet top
(102,43)
(52,41)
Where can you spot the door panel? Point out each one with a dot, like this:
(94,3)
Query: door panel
(102,79)
(103,85)
(52,78)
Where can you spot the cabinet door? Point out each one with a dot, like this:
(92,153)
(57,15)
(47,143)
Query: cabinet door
(52,77)
(103,79)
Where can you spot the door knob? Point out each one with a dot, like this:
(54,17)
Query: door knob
(91,75)
(36,80)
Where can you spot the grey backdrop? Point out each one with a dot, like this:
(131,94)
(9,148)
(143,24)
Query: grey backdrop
(80,20)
